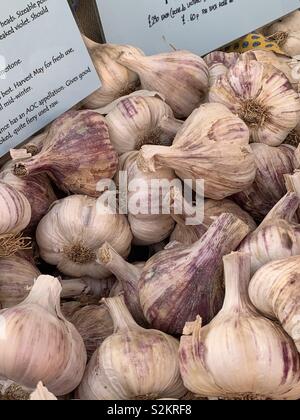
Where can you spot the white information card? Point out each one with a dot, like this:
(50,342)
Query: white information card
(45,68)
(198,25)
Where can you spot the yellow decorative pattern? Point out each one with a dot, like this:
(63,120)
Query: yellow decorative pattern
(251,42)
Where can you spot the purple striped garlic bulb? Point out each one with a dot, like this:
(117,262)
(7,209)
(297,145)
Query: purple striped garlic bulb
(277,237)
(262,97)
(269,185)
(38,344)
(275,292)
(212,145)
(181,77)
(240,355)
(179,283)
(76,154)
(133,363)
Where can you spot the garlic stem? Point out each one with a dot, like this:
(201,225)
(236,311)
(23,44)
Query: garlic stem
(292,183)
(237,268)
(50,300)
(149,157)
(120,314)
(285,209)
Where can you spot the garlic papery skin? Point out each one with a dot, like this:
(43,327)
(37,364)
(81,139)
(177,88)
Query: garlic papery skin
(16,279)
(262,97)
(277,236)
(147,191)
(116,80)
(179,283)
(37,189)
(269,186)
(133,363)
(218,63)
(42,394)
(37,343)
(139,120)
(180,76)
(240,354)
(286,33)
(76,154)
(15,215)
(94,324)
(212,145)
(275,292)
(86,289)
(188,235)
(70,235)
(128,276)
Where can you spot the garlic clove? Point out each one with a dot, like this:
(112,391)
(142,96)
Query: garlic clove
(242,354)
(262,97)
(128,276)
(275,292)
(42,394)
(133,363)
(70,235)
(161,72)
(76,153)
(212,145)
(52,349)
(139,120)
(117,80)
(179,283)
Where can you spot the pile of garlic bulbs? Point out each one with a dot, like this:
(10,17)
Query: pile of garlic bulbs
(102,304)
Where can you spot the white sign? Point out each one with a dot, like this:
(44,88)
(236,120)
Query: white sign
(198,25)
(45,68)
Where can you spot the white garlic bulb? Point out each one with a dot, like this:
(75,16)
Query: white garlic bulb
(261,96)
(180,76)
(116,79)
(286,32)
(75,228)
(139,120)
(212,145)
(15,215)
(147,228)
(275,292)
(37,343)
(240,354)
(133,363)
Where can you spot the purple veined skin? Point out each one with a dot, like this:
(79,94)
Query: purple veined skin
(240,355)
(277,237)
(180,283)
(76,154)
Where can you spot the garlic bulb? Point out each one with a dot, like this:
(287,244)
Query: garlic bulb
(133,363)
(42,394)
(277,236)
(37,189)
(16,279)
(76,153)
(212,145)
(70,235)
(240,354)
(188,235)
(275,292)
(282,63)
(180,76)
(128,276)
(262,97)
(179,283)
(52,349)
(140,120)
(86,289)
(94,324)
(269,186)
(116,79)
(15,215)
(147,228)
(286,33)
